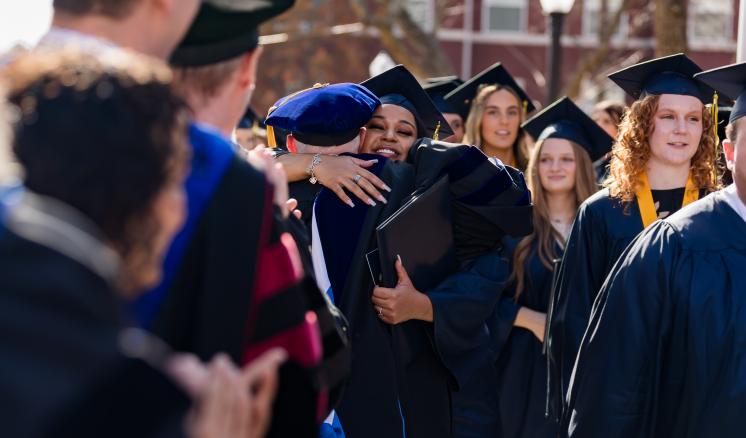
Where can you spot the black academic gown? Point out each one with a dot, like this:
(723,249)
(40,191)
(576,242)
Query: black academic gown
(521,364)
(370,406)
(463,306)
(664,355)
(600,233)
(61,370)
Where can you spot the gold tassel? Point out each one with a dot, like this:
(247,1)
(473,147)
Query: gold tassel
(714,111)
(271,141)
(437,131)
(525,109)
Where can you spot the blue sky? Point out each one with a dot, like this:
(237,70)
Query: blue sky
(23,21)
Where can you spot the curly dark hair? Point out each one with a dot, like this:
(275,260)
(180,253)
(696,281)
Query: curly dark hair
(103,136)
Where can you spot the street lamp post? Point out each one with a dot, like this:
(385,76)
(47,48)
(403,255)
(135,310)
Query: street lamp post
(556,10)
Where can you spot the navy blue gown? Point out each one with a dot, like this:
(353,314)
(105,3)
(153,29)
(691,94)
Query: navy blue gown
(463,306)
(664,354)
(521,364)
(602,230)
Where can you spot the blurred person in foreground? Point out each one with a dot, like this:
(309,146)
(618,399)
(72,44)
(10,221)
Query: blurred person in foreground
(234,280)
(102,144)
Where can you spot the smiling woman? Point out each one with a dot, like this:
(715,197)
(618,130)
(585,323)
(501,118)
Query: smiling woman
(662,160)
(390,133)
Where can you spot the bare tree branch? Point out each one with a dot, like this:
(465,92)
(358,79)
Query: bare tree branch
(669,25)
(599,57)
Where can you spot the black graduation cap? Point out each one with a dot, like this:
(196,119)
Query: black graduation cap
(440,79)
(251,120)
(563,119)
(672,74)
(398,86)
(225,29)
(730,82)
(495,74)
(437,91)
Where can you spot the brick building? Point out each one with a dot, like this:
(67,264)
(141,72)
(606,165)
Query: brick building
(514,32)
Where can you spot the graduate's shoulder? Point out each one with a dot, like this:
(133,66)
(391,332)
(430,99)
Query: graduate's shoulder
(706,225)
(209,145)
(601,204)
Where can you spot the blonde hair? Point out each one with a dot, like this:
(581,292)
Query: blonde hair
(545,234)
(473,127)
(631,152)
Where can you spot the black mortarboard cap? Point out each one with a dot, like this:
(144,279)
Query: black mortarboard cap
(672,74)
(730,82)
(441,79)
(563,119)
(225,29)
(398,86)
(437,91)
(495,74)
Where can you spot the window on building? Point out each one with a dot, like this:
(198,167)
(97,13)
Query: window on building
(505,15)
(422,13)
(710,21)
(592,10)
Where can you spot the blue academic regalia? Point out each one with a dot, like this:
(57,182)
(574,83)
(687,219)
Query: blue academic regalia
(370,405)
(663,355)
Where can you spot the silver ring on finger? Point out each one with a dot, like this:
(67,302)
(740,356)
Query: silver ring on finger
(356,179)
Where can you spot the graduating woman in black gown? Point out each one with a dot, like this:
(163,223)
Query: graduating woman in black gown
(560,177)
(488,201)
(664,355)
(663,159)
(498,107)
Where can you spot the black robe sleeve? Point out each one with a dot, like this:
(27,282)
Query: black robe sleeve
(462,304)
(616,383)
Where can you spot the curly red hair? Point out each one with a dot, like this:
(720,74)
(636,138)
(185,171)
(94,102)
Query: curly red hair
(632,151)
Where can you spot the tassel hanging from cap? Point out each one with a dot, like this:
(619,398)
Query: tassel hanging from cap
(525,109)
(271,140)
(715,122)
(714,112)
(437,132)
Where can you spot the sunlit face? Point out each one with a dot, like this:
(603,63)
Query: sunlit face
(457,126)
(604,120)
(677,129)
(501,120)
(390,132)
(557,166)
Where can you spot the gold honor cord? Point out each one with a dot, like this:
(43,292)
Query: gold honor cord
(271,140)
(645,199)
